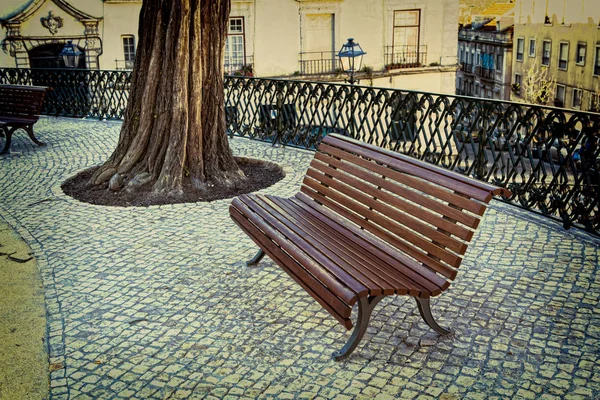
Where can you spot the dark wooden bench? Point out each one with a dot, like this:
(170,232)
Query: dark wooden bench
(367,223)
(20,107)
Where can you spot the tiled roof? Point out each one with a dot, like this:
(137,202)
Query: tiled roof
(496,10)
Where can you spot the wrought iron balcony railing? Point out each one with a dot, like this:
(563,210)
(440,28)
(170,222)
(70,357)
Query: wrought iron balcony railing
(467,68)
(318,62)
(124,64)
(242,67)
(399,57)
(548,157)
(486,73)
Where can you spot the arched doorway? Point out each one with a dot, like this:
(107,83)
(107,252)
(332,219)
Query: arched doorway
(47,56)
(70,94)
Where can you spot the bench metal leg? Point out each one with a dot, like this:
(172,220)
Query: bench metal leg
(29,131)
(256,259)
(425,310)
(7,138)
(365,308)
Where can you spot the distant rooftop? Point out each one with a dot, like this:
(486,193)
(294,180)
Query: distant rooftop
(493,12)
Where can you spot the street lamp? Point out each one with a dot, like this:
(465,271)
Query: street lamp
(70,55)
(350,56)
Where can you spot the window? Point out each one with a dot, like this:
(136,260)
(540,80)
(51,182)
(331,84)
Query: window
(478,57)
(531,47)
(563,56)
(520,47)
(560,96)
(407,30)
(518,80)
(546,52)
(597,62)
(499,62)
(580,56)
(477,89)
(129,50)
(595,102)
(462,55)
(576,98)
(235,48)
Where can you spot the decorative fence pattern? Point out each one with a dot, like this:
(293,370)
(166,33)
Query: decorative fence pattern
(76,92)
(548,157)
(319,62)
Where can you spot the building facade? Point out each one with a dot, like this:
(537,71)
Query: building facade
(409,43)
(485,48)
(559,40)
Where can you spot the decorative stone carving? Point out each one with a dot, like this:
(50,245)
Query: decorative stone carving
(12,47)
(91,28)
(52,22)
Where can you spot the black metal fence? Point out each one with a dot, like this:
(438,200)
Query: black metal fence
(76,92)
(319,62)
(548,157)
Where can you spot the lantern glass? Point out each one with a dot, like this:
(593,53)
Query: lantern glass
(70,55)
(351,55)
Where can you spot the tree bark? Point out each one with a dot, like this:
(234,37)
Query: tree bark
(174,127)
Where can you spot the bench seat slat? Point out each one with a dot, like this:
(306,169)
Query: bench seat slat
(297,247)
(285,261)
(352,249)
(386,249)
(292,265)
(366,170)
(405,210)
(398,272)
(290,227)
(18,119)
(454,181)
(374,222)
(390,218)
(409,180)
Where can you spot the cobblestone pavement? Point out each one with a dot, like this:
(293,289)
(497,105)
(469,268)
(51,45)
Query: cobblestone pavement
(157,302)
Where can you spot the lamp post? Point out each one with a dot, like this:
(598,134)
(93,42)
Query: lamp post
(350,56)
(70,55)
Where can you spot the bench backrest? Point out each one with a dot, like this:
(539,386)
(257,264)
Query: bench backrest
(21,101)
(425,211)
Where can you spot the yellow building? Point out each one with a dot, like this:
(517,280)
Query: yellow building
(410,44)
(562,40)
(485,48)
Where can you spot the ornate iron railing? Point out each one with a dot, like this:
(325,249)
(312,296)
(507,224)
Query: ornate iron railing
(398,57)
(548,157)
(242,67)
(318,62)
(76,92)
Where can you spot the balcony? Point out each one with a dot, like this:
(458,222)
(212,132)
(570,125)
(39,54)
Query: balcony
(486,73)
(401,57)
(124,65)
(548,157)
(467,68)
(318,62)
(488,37)
(240,67)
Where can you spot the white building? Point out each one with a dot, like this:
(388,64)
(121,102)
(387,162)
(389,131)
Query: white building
(410,44)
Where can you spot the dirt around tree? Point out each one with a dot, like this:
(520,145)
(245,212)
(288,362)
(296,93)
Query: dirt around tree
(259,175)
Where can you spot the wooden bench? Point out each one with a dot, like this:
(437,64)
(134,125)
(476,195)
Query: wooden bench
(20,107)
(367,223)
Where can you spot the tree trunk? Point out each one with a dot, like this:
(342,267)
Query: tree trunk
(174,126)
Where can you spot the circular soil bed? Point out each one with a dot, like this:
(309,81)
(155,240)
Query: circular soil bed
(260,174)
